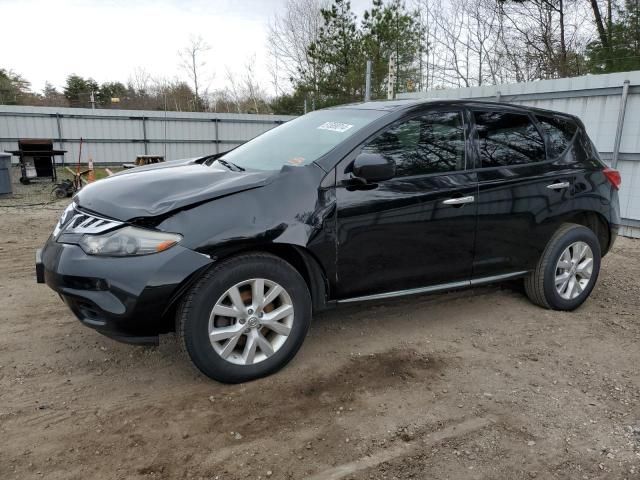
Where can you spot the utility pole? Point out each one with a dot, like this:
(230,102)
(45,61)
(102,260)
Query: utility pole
(391,82)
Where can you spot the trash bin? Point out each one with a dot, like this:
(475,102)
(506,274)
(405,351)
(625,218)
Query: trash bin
(5,174)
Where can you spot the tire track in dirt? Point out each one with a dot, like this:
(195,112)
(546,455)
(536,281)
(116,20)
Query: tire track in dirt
(150,418)
(452,431)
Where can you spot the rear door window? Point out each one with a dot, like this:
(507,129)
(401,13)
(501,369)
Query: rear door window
(559,132)
(506,139)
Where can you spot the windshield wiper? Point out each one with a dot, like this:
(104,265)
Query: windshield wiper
(230,165)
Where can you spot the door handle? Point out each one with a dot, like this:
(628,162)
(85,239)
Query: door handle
(459,200)
(558,186)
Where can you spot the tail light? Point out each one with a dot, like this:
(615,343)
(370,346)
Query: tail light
(613,176)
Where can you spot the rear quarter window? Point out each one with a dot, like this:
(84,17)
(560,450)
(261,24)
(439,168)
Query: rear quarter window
(559,132)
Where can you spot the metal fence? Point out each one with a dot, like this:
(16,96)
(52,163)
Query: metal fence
(609,106)
(118,136)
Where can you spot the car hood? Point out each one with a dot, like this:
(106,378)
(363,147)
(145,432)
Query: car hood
(157,191)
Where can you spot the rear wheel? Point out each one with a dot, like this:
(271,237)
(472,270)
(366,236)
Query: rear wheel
(567,270)
(245,319)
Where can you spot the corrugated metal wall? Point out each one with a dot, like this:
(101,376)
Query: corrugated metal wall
(117,136)
(596,99)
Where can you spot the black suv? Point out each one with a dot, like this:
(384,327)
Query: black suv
(361,202)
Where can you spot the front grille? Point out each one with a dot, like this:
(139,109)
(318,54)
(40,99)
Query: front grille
(80,223)
(85,223)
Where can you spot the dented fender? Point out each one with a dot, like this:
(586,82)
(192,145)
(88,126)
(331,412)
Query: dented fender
(289,210)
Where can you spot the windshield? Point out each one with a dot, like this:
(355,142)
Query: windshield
(301,140)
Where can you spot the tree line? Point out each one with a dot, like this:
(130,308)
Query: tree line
(321,47)
(318,51)
(141,92)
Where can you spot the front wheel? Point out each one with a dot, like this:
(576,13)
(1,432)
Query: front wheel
(245,318)
(567,270)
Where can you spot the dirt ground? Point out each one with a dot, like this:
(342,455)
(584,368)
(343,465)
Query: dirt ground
(469,385)
(39,191)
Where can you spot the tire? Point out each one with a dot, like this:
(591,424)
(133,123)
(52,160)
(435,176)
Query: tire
(216,289)
(59,192)
(540,285)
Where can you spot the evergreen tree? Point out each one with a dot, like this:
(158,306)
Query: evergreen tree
(290,104)
(49,91)
(342,48)
(339,56)
(111,90)
(391,30)
(623,52)
(51,97)
(78,90)
(14,89)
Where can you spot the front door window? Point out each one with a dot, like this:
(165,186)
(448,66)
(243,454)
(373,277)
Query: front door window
(430,143)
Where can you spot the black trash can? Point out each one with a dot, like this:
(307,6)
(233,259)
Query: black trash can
(5,174)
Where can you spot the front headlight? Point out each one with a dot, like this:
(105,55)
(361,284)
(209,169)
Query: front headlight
(128,241)
(64,218)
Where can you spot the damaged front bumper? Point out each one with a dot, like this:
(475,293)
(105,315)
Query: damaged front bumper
(125,298)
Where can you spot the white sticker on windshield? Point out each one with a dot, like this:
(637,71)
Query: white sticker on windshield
(335,127)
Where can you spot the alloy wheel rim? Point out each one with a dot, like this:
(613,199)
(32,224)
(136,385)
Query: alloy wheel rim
(574,270)
(251,321)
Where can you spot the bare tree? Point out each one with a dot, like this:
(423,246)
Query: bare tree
(253,92)
(474,42)
(463,38)
(483,39)
(193,63)
(243,92)
(290,35)
(140,80)
(548,32)
(221,101)
(233,90)
(453,51)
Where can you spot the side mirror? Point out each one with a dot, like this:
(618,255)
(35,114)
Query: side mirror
(374,167)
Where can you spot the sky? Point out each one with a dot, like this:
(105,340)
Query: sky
(109,39)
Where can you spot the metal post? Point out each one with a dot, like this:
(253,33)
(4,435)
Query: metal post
(618,140)
(305,106)
(367,87)
(498,96)
(60,144)
(144,135)
(164,140)
(391,83)
(216,121)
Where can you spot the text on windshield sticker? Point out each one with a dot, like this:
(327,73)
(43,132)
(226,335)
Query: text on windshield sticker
(335,127)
